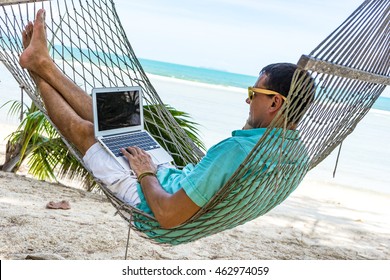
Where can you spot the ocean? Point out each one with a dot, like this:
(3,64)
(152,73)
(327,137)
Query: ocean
(217,77)
(197,74)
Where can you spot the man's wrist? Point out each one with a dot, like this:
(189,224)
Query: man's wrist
(145,174)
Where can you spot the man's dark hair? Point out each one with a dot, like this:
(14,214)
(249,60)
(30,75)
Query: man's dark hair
(279,78)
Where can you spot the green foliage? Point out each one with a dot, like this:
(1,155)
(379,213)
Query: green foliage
(49,157)
(183,120)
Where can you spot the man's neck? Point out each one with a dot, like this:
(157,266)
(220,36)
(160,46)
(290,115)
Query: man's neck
(290,126)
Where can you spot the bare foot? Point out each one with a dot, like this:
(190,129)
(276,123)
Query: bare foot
(26,39)
(64,205)
(35,43)
(26,35)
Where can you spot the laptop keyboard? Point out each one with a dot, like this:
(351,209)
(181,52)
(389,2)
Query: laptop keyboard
(139,139)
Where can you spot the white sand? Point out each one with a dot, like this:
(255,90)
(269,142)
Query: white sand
(325,218)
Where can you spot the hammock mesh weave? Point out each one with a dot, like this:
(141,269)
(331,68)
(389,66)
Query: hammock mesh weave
(350,69)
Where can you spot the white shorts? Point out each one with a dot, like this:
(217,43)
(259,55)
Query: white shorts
(121,182)
(104,167)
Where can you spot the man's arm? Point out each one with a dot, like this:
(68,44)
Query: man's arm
(170,210)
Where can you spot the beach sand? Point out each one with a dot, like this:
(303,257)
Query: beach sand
(346,217)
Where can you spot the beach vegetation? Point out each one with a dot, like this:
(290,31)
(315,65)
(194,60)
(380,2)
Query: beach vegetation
(38,143)
(183,119)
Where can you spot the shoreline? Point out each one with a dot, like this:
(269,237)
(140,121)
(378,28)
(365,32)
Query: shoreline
(193,83)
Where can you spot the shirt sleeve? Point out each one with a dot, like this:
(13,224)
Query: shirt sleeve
(213,171)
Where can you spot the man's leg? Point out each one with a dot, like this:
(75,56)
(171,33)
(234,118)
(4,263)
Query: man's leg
(72,125)
(74,128)
(36,59)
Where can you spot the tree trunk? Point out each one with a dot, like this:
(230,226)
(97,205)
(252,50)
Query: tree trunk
(12,157)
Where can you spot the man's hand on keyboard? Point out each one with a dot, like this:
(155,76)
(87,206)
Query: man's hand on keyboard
(140,161)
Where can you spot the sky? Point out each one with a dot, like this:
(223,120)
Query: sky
(239,36)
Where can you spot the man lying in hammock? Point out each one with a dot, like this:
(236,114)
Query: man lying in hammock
(173,196)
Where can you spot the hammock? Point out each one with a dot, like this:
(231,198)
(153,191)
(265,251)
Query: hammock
(350,69)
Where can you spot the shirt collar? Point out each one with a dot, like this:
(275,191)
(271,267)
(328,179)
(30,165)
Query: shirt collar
(275,132)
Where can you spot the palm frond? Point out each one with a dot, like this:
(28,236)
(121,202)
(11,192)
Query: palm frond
(183,119)
(51,160)
(15,108)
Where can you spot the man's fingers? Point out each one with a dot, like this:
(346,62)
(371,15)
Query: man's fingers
(140,151)
(131,151)
(125,152)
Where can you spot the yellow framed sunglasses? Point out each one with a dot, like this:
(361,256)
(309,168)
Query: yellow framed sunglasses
(252,91)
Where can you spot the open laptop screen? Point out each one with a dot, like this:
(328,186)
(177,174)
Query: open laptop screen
(117,110)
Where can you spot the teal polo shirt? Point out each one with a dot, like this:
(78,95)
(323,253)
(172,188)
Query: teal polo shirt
(202,181)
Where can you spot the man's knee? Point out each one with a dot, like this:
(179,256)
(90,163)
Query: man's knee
(88,129)
(83,136)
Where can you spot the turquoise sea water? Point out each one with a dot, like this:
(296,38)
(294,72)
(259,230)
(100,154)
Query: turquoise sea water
(197,74)
(217,77)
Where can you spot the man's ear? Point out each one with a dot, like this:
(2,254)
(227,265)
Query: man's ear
(277,103)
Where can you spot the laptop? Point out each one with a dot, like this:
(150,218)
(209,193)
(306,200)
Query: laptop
(119,123)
